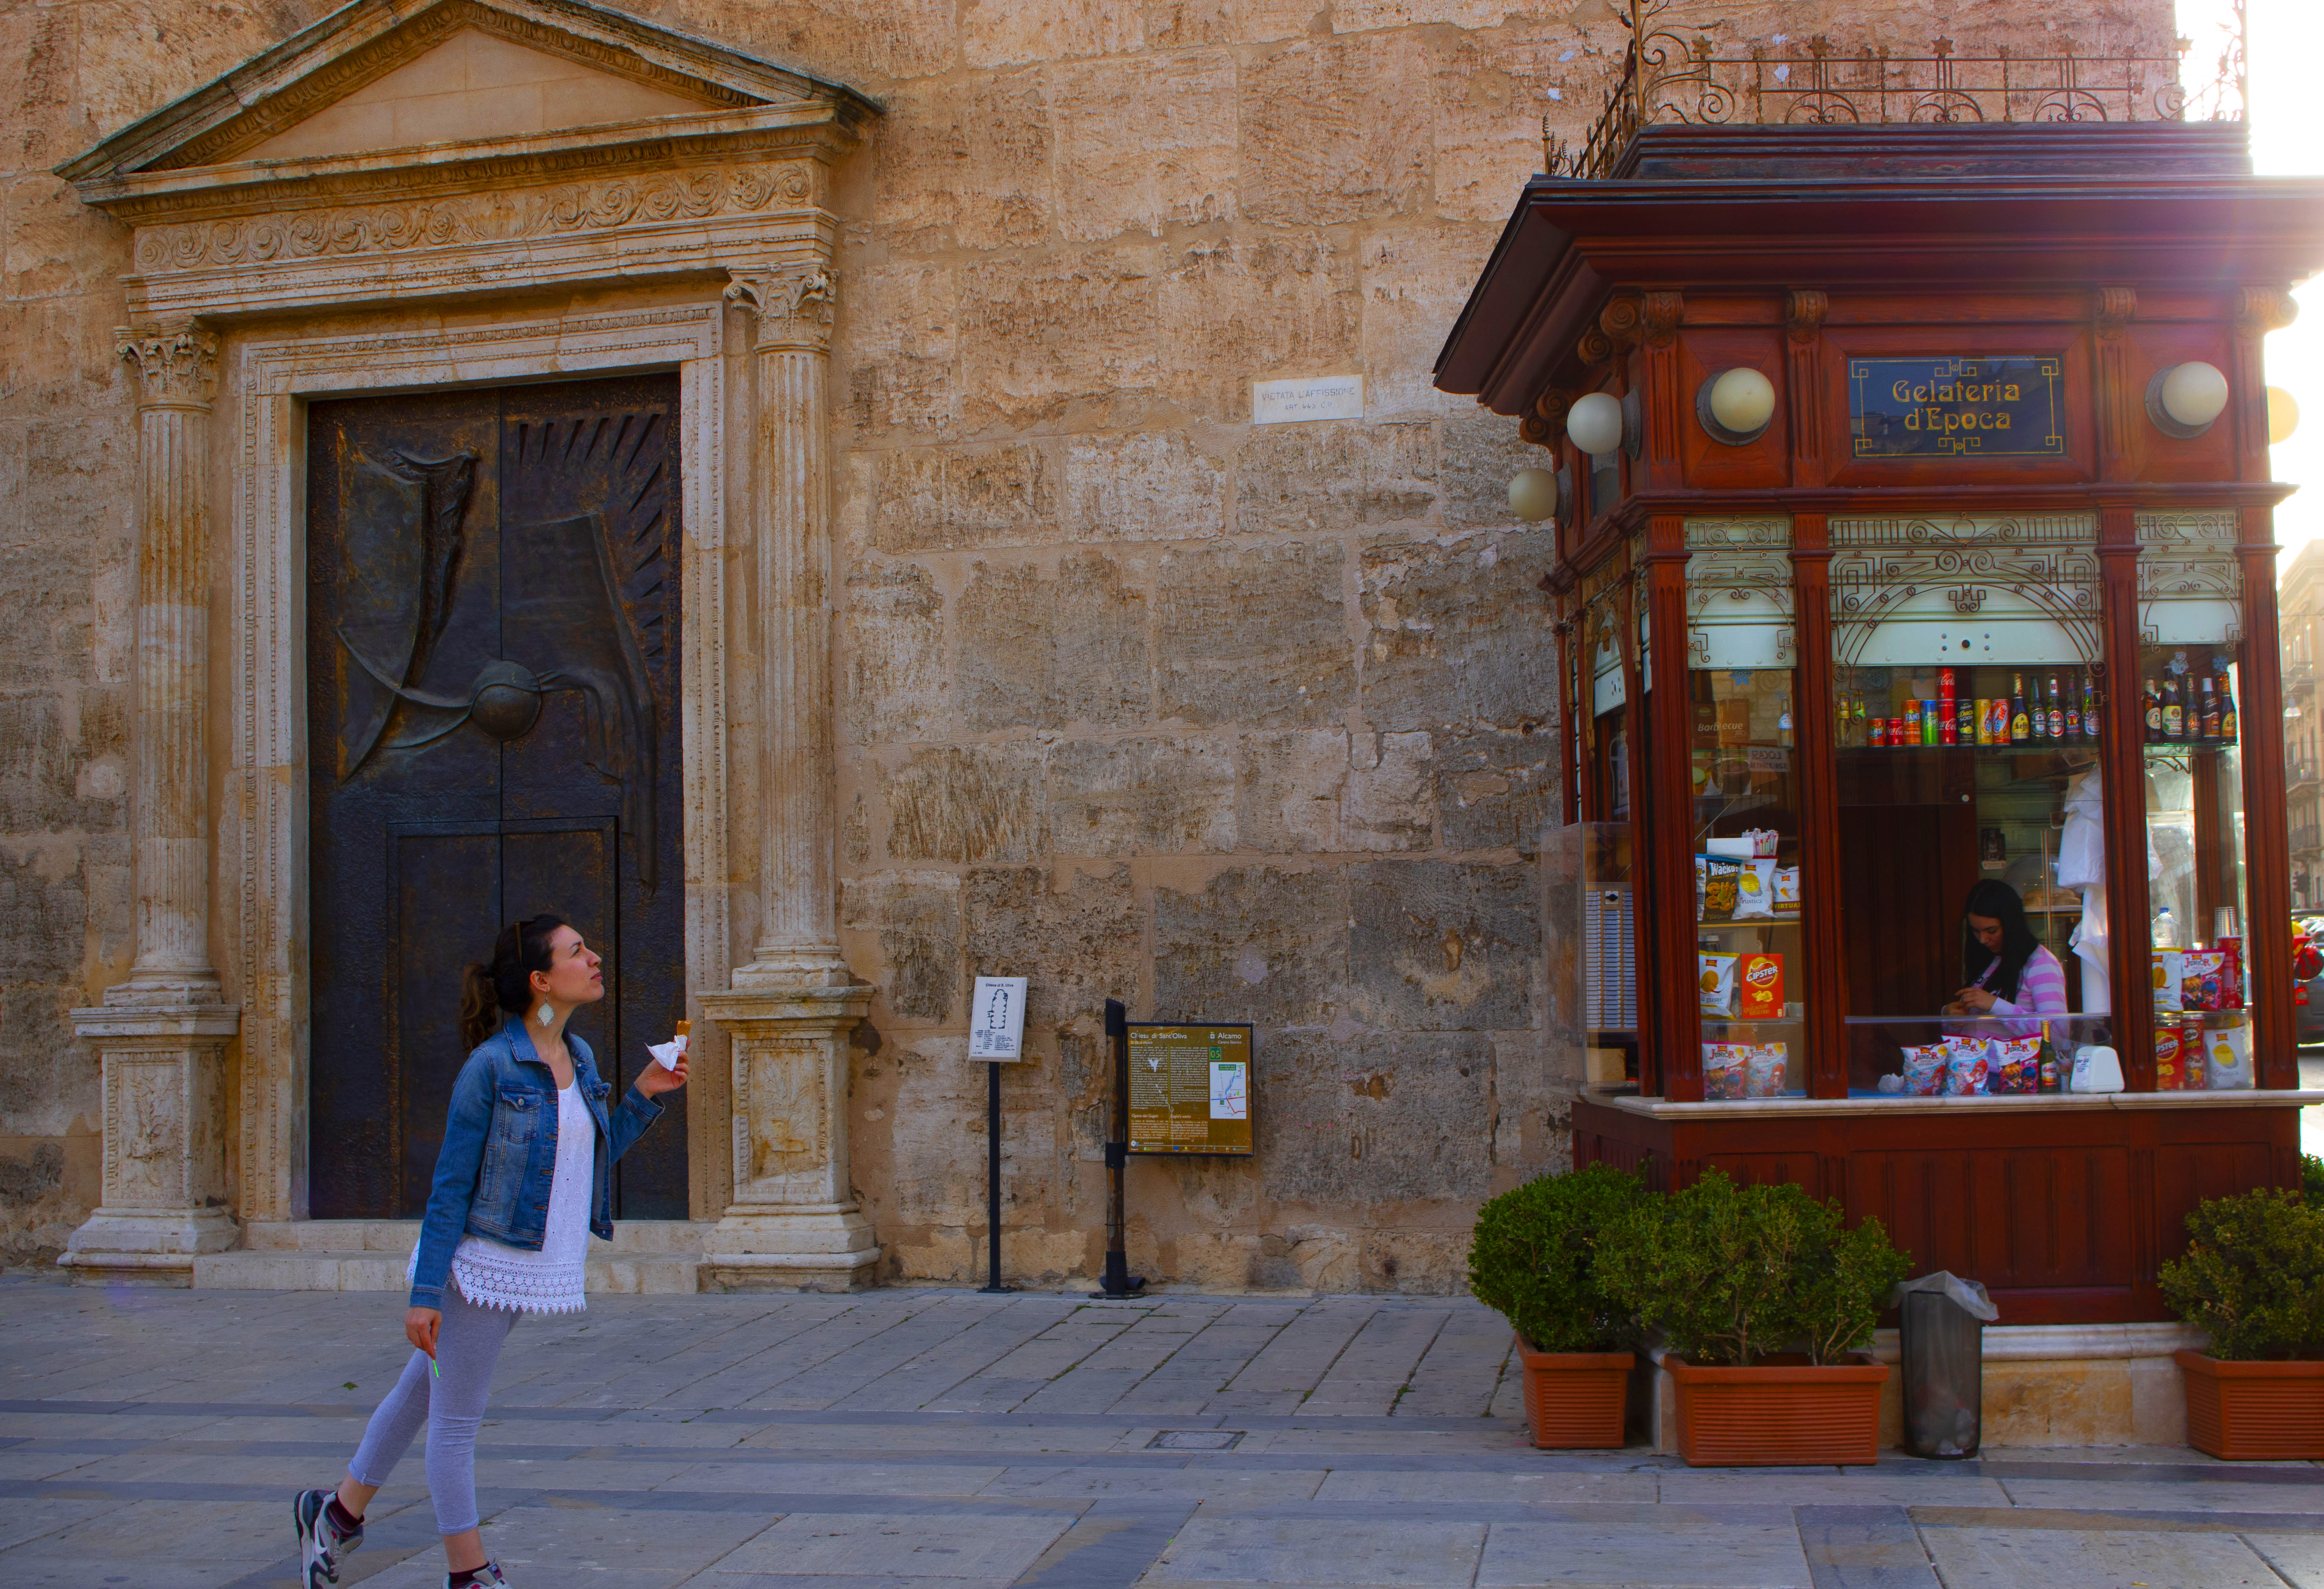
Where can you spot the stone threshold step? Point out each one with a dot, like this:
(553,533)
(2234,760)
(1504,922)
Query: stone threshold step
(631,1237)
(610,1273)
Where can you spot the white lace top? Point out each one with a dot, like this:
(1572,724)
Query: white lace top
(494,1275)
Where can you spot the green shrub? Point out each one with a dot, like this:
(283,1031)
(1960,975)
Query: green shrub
(2253,1276)
(1732,1273)
(2311,1180)
(1533,1259)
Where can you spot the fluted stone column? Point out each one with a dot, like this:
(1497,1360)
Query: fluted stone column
(160,1035)
(789,1013)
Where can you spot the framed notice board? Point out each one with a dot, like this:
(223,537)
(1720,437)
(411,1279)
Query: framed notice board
(1190,1088)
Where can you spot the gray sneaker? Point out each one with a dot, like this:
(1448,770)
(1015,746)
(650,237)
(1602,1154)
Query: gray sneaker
(487,1576)
(322,1547)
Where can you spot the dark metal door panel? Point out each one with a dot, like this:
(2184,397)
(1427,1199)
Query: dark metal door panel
(492,662)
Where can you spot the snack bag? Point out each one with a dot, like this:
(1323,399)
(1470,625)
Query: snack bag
(2231,973)
(1924,1068)
(1701,870)
(1762,1071)
(1723,1069)
(1965,1068)
(2170,1058)
(1755,891)
(1759,986)
(2227,1064)
(2168,978)
(1720,881)
(2016,1065)
(1787,890)
(1715,979)
(2193,1052)
(2198,979)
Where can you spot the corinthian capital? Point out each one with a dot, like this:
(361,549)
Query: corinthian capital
(176,367)
(793,305)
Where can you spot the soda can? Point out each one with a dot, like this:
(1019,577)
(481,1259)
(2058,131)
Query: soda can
(1945,684)
(1946,729)
(1932,715)
(1965,726)
(1879,731)
(1912,721)
(1985,721)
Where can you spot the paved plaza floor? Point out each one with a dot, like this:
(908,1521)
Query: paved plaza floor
(943,1439)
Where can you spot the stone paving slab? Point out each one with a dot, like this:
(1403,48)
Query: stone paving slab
(938,1439)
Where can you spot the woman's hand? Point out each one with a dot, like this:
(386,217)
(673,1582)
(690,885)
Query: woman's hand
(1974,1000)
(654,1080)
(419,1326)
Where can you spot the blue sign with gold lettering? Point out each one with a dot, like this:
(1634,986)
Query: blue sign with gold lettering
(1956,408)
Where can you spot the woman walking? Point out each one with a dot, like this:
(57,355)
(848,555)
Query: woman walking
(524,1176)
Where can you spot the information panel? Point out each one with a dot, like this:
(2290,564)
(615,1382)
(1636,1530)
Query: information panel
(1190,1089)
(1956,407)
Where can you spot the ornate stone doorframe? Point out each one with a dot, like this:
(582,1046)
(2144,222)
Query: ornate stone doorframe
(708,217)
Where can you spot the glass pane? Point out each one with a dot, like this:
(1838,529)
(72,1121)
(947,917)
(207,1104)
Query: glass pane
(1747,865)
(2194,804)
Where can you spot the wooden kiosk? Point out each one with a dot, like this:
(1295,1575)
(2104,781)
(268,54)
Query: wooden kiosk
(1973,450)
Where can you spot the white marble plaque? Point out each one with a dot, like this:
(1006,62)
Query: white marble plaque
(996,1019)
(1314,397)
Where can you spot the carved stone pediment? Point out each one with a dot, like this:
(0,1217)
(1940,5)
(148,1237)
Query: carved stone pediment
(398,151)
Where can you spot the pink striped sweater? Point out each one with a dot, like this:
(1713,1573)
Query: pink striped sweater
(2040,991)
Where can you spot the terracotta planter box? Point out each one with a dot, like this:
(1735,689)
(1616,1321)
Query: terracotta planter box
(1576,1401)
(1783,1413)
(2253,1411)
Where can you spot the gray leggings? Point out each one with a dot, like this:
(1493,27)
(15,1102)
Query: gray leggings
(467,1344)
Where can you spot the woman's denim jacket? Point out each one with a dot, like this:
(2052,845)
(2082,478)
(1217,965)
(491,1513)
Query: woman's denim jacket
(499,1156)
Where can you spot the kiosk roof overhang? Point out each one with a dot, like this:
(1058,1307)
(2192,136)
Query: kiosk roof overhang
(2152,205)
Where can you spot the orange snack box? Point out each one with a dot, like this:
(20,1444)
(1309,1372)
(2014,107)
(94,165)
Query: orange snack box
(1759,985)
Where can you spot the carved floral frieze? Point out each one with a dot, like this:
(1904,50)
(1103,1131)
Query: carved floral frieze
(506,215)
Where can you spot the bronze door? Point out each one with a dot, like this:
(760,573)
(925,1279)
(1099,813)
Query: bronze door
(491,653)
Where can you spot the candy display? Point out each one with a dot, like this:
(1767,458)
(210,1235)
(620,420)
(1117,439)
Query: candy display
(1965,1068)
(1763,1070)
(1715,979)
(1725,1069)
(2015,1064)
(1759,983)
(1924,1068)
(2198,979)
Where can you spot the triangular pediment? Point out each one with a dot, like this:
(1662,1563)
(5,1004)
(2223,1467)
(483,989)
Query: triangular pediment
(379,75)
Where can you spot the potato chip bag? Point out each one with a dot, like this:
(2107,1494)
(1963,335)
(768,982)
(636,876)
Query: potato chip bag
(1722,880)
(2228,1065)
(1715,982)
(2169,979)
(1755,891)
(1787,888)
(1759,986)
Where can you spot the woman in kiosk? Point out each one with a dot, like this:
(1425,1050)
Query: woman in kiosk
(2009,971)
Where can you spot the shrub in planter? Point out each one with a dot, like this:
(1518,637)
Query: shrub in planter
(1534,1260)
(2252,1278)
(1763,1300)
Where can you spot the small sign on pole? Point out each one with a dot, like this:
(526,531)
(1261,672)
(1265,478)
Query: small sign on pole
(996,1019)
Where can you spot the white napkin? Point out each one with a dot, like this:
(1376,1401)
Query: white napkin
(666,1054)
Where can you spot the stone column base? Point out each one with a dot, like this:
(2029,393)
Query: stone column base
(795,1248)
(794,1224)
(164,1126)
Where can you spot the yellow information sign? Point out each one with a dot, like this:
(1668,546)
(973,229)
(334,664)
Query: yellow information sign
(1190,1089)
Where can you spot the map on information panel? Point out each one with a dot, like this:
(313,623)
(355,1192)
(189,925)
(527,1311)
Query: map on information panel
(1190,1089)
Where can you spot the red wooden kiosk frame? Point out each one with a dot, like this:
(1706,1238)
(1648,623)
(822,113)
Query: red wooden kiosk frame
(2120,249)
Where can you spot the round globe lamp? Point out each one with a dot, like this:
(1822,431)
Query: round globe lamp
(2184,400)
(1594,423)
(1735,406)
(2283,415)
(1533,495)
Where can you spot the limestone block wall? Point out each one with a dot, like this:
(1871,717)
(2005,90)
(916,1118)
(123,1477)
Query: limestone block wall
(1135,698)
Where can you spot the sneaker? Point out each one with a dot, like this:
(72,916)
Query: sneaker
(487,1576)
(322,1547)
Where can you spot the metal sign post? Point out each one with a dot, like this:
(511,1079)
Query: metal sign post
(1118,1282)
(996,1035)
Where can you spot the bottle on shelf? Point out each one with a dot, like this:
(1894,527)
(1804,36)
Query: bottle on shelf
(2057,710)
(2021,726)
(2164,929)
(2226,710)
(2091,707)
(1784,720)
(2174,712)
(2208,728)
(2150,707)
(2073,710)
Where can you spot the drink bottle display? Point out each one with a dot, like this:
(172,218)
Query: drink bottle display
(2057,710)
(2152,709)
(2209,730)
(2227,711)
(2021,726)
(2174,713)
(2091,707)
(2073,711)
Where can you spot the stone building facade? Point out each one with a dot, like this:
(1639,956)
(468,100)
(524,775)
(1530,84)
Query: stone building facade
(1015,646)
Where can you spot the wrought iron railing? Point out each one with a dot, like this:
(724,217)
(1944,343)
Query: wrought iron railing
(1667,79)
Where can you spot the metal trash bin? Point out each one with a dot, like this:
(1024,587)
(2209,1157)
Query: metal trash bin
(1944,1320)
